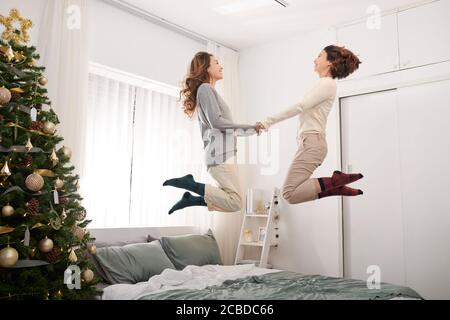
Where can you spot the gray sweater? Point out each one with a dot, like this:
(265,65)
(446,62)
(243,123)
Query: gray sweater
(218,130)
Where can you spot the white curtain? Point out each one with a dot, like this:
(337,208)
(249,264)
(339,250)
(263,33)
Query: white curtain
(62,46)
(138,138)
(227,226)
(106,187)
(166,145)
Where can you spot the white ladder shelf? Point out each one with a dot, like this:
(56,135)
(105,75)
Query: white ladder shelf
(271,233)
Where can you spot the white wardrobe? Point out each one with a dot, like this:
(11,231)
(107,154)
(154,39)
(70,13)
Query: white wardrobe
(395,129)
(400,140)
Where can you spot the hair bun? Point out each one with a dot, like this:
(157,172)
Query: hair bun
(343,61)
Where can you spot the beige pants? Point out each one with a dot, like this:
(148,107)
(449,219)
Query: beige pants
(227,196)
(312,150)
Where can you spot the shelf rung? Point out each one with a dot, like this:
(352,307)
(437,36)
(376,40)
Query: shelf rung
(248,261)
(257,215)
(254,244)
(257,244)
(255,262)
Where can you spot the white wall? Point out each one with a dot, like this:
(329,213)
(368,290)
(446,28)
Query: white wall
(123,41)
(33,10)
(272,77)
(129,43)
(277,74)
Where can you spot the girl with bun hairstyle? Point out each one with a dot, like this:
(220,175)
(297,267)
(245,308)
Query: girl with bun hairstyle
(333,62)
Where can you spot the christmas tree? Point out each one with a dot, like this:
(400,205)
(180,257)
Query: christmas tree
(42,221)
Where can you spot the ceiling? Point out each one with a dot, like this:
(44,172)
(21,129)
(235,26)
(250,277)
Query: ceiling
(240,24)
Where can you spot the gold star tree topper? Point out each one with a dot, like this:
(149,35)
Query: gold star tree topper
(10,32)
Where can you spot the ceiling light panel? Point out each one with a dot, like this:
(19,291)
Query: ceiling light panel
(247,5)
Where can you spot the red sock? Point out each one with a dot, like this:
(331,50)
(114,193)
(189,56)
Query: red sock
(341,191)
(338,179)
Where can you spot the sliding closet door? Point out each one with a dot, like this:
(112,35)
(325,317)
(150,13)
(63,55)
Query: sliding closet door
(424,113)
(372,222)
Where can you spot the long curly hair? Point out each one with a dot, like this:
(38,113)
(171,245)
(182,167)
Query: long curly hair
(197,74)
(343,61)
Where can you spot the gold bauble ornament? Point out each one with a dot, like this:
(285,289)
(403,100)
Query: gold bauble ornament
(59,183)
(8,257)
(34,182)
(49,127)
(78,232)
(5,170)
(46,245)
(72,256)
(43,81)
(66,151)
(7,211)
(54,158)
(87,275)
(29,146)
(5,96)
(92,248)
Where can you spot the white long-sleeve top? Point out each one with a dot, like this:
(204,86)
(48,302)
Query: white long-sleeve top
(313,110)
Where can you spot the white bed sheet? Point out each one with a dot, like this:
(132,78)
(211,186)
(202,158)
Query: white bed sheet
(191,277)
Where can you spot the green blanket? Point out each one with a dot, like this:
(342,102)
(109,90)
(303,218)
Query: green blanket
(286,285)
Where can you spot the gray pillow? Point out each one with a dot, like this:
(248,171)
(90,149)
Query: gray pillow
(192,249)
(102,244)
(151,238)
(132,263)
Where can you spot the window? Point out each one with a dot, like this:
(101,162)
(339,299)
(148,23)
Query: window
(137,137)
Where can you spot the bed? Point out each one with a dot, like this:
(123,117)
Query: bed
(205,278)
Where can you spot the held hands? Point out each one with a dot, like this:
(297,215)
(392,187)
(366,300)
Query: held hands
(259,127)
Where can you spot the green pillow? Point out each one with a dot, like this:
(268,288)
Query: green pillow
(132,263)
(192,249)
